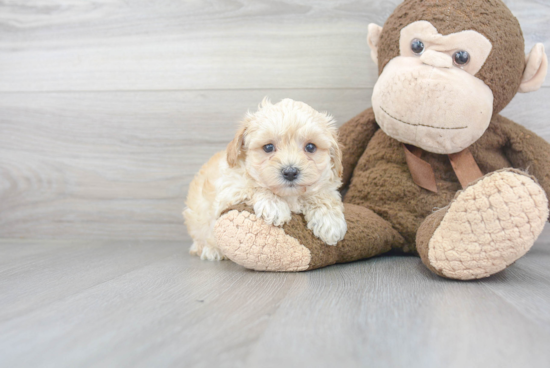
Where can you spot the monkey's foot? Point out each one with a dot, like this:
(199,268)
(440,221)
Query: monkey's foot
(487,227)
(251,242)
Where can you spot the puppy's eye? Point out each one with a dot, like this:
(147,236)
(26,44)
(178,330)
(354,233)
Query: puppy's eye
(310,147)
(417,46)
(461,58)
(268,148)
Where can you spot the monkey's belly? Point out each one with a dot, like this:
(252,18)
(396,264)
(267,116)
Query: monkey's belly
(382,182)
(389,191)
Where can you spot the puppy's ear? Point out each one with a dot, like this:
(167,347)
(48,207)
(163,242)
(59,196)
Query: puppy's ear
(336,157)
(234,148)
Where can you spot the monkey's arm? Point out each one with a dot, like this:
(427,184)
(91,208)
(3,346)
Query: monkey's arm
(529,152)
(354,136)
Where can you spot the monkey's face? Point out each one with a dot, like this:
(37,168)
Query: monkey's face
(429,96)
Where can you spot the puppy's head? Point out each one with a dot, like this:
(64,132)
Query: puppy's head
(288,148)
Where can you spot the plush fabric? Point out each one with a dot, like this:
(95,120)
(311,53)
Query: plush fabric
(465,105)
(249,241)
(485,228)
(477,45)
(491,18)
(252,243)
(382,182)
(460,233)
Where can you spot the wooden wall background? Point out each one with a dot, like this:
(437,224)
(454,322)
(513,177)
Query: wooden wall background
(108,107)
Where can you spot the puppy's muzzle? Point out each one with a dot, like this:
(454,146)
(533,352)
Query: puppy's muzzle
(290,173)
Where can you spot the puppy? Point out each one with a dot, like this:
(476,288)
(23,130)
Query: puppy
(284,158)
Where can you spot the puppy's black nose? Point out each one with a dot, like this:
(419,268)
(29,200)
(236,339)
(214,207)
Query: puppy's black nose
(290,173)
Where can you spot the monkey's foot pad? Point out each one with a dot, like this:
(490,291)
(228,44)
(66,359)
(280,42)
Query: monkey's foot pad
(250,242)
(488,226)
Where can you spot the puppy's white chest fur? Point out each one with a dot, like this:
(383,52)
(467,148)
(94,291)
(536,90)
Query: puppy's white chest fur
(294,204)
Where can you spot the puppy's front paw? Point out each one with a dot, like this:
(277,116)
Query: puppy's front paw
(273,212)
(329,226)
(209,253)
(196,248)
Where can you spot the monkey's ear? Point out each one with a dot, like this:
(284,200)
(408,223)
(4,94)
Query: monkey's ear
(234,148)
(535,69)
(373,38)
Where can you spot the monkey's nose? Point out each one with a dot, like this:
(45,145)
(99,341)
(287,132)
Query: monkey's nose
(290,173)
(436,59)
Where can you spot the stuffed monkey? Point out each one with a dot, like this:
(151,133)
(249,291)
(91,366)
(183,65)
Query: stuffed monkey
(431,168)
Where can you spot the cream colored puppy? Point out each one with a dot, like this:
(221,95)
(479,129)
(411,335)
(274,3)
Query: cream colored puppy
(284,158)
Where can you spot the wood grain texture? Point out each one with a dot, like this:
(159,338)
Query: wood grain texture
(109,107)
(67,45)
(144,304)
(116,165)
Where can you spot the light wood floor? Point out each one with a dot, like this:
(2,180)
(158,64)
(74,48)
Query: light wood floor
(150,304)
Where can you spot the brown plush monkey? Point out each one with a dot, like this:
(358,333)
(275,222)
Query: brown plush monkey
(431,168)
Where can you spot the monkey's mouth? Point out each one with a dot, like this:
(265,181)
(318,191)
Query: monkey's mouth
(422,125)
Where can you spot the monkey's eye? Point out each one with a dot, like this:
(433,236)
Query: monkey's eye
(268,148)
(417,46)
(461,58)
(310,147)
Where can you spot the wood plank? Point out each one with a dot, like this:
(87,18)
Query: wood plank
(429,321)
(171,309)
(42,272)
(116,165)
(173,294)
(64,45)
